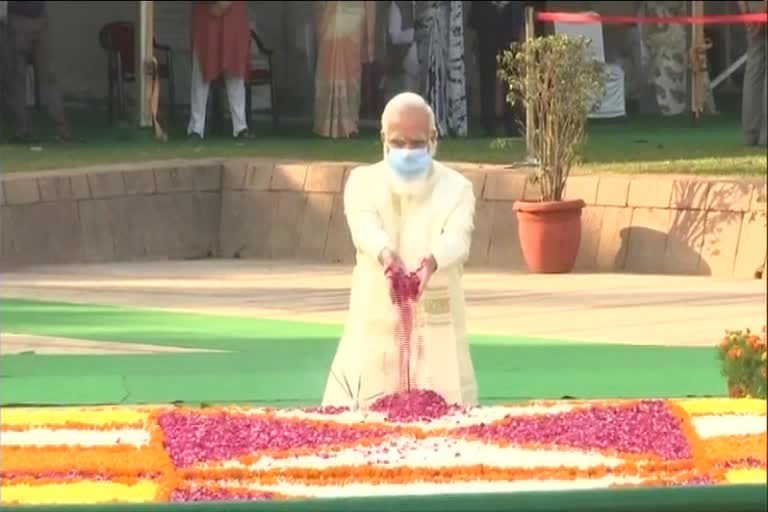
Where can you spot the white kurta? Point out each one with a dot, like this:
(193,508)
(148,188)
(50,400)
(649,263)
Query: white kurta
(439,223)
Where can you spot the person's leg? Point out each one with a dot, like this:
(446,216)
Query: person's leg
(198,100)
(753,99)
(236,99)
(762,139)
(17,75)
(4,49)
(41,54)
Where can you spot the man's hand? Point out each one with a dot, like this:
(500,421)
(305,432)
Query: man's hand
(390,261)
(393,265)
(425,271)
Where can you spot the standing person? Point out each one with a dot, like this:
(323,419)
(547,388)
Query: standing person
(498,25)
(28,30)
(753,113)
(402,56)
(406,212)
(4,46)
(221,42)
(440,37)
(667,46)
(346,40)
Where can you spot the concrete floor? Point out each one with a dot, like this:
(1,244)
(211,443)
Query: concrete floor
(604,308)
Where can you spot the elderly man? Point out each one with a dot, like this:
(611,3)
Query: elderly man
(406,212)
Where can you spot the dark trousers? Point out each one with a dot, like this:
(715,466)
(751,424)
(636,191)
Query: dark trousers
(488,65)
(29,43)
(3,75)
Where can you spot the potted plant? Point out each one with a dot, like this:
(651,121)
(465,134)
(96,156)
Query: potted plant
(557,81)
(742,357)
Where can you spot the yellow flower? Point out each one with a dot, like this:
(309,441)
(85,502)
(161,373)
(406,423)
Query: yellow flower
(60,417)
(84,492)
(747,476)
(723,406)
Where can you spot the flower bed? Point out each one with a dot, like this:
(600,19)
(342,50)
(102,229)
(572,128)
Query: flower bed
(175,454)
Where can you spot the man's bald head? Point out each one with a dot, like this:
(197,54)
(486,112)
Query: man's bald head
(408,122)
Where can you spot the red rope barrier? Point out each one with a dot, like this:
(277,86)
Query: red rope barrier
(718,19)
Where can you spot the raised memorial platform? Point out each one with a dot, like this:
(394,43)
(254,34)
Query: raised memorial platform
(293,210)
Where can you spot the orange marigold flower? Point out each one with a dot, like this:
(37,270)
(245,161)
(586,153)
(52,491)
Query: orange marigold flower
(734,353)
(754,342)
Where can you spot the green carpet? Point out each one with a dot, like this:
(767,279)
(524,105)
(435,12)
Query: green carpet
(279,362)
(730,498)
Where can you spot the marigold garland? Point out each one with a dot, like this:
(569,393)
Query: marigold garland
(113,460)
(735,448)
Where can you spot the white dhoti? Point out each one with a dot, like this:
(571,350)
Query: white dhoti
(198,101)
(366,365)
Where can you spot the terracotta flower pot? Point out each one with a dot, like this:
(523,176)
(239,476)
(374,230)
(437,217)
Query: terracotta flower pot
(550,234)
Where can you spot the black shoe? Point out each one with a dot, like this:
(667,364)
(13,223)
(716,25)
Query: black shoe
(65,137)
(23,140)
(194,137)
(244,135)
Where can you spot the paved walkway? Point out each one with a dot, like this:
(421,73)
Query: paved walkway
(634,309)
(47,345)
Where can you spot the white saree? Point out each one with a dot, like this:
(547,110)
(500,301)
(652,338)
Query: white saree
(440,222)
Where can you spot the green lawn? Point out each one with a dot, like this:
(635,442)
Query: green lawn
(637,145)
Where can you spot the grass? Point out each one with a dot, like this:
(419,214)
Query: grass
(712,146)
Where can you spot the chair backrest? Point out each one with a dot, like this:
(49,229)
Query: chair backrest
(119,36)
(260,55)
(592,31)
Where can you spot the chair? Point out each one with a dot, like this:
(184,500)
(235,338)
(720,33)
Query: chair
(613,103)
(261,74)
(118,40)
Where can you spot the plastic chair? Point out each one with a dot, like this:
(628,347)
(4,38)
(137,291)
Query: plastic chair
(613,102)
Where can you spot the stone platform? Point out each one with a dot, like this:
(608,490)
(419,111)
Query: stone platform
(286,210)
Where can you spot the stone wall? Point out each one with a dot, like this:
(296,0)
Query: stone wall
(119,213)
(293,210)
